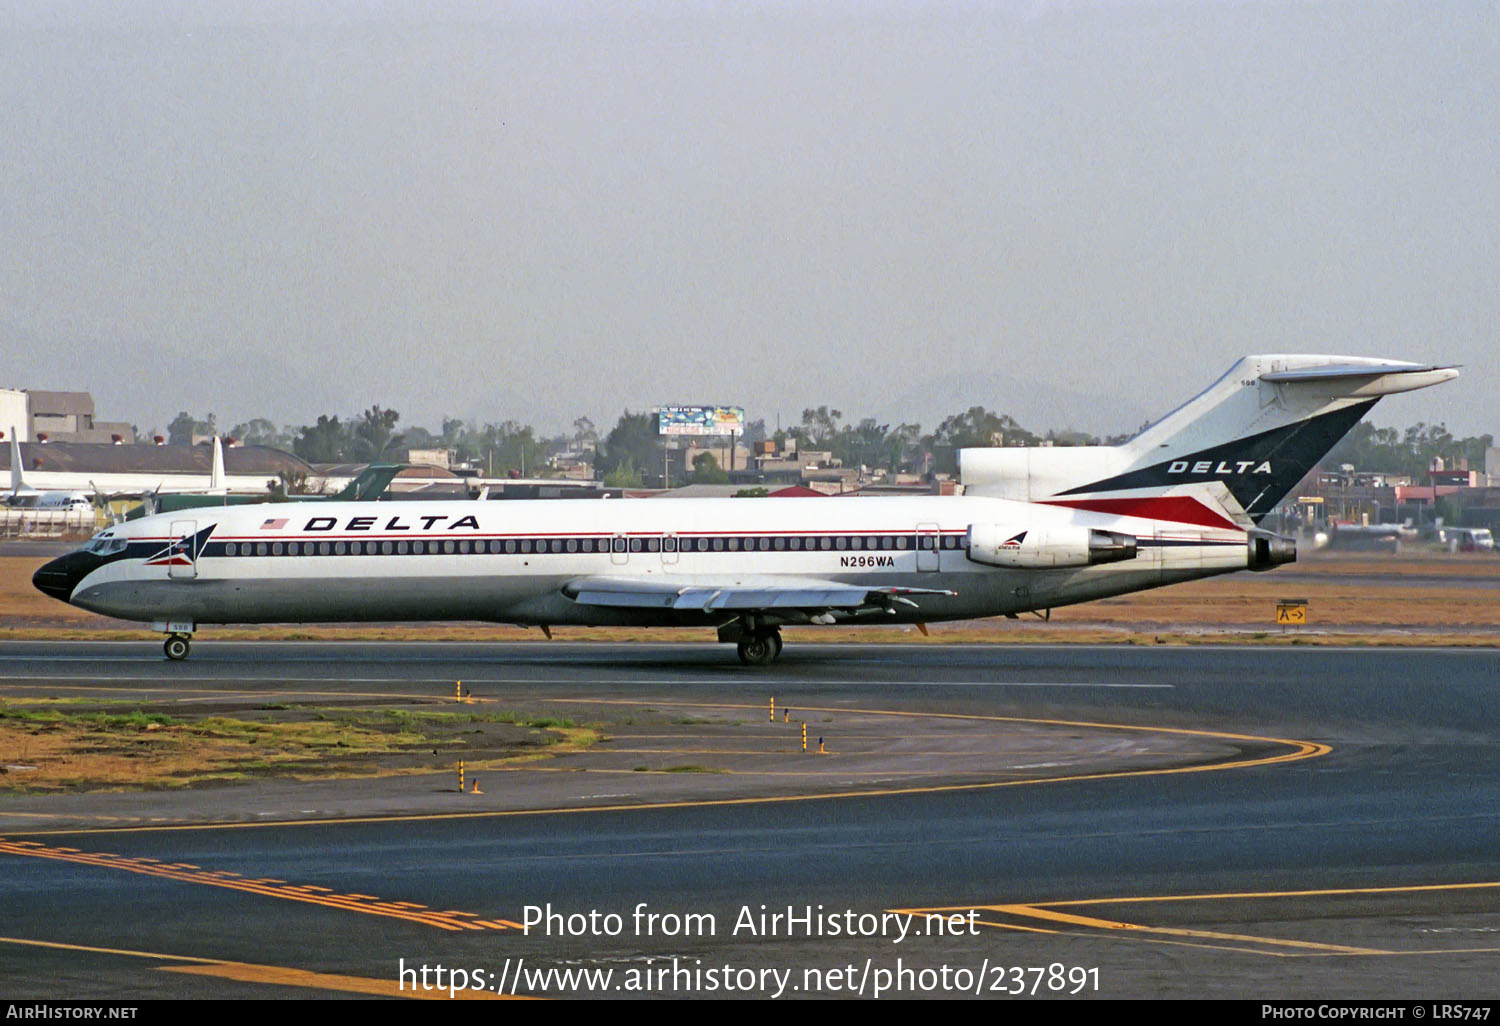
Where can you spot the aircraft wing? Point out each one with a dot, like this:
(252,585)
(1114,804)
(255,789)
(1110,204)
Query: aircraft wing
(738,594)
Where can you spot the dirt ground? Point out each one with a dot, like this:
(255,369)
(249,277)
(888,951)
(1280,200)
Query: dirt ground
(54,745)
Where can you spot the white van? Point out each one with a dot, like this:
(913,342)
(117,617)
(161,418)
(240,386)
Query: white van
(1469,539)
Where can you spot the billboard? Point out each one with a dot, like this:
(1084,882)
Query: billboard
(700,420)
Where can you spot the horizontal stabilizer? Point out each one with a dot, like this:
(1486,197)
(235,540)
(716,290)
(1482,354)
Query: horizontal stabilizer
(1402,377)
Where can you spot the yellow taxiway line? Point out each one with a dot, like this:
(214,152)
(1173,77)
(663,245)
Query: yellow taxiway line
(264,886)
(274,975)
(1052,913)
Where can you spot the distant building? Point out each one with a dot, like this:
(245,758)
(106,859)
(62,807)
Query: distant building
(428,480)
(1342,494)
(15,414)
(1455,478)
(729,458)
(431,457)
(576,464)
(39,416)
(61,415)
(84,466)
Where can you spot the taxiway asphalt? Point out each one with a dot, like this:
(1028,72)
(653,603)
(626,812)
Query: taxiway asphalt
(1370,870)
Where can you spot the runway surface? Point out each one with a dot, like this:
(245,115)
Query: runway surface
(1370,870)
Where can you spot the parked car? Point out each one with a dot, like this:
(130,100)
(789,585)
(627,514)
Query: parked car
(1468,539)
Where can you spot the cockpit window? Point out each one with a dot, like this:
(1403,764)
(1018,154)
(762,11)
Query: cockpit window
(105,544)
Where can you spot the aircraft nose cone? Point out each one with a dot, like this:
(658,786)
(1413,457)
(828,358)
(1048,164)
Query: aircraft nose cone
(58,578)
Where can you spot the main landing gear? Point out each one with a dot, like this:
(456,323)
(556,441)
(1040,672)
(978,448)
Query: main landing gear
(760,649)
(177,646)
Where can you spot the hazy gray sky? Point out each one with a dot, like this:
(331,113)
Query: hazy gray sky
(1078,212)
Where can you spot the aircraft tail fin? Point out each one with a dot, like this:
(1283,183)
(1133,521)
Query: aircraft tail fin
(17,482)
(371,483)
(1258,430)
(218,483)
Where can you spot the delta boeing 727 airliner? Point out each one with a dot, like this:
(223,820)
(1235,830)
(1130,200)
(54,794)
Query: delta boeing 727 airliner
(1035,529)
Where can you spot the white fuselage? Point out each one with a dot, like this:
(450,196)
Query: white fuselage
(511,561)
(75,501)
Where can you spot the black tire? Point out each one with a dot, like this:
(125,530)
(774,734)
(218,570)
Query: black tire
(177,647)
(759,650)
(776,641)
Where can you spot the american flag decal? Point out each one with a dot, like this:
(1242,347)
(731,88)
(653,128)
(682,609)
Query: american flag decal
(271,525)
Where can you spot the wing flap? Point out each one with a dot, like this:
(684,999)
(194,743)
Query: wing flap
(738,595)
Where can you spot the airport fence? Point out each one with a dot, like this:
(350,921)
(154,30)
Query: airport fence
(47,523)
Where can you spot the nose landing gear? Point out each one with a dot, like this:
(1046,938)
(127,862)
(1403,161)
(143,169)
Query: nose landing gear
(179,638)
(177,646)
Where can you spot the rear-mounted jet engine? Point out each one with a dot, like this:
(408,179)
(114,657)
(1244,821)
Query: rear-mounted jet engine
(1046,548)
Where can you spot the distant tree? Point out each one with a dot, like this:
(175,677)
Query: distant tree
(755,431)
(1448,509)
(184,426)
(634,439)
(818,428)
(872,444)
(180,430)
(287,483)
(901,447)
(453,432)
(374,434)
(860,444)
(975,428)
(420,438)
(260,431)
(323,442)
(706,470)
(1068,437)
(624,475)
(1412,451)
(584,431)
(507,448)
(757,492)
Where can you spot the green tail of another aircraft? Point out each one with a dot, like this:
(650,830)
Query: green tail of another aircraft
(367,487)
